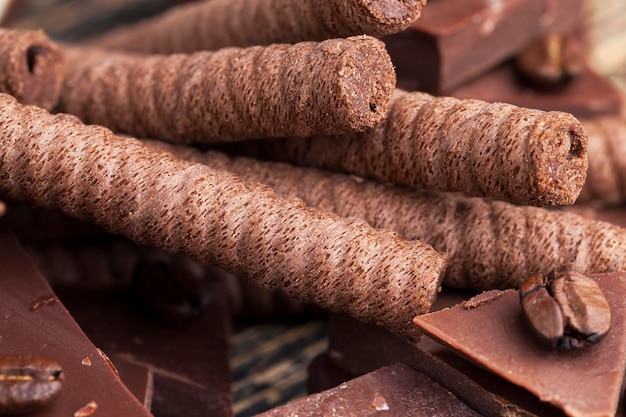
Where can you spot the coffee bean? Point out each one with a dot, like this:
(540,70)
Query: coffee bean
(169,292)
(567,311)
(27,383)
(551,61)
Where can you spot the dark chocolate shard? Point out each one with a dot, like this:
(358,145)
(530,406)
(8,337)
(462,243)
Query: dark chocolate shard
(51,332)
(496,336)
(356,348)
(189,361)
(323,375)
(587,95)
(138,378)
(456,40)
(178,311)
(395,390)
(359,348)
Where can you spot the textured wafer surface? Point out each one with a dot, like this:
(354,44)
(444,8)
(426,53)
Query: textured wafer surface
(497,150)
(491,244)
(330,87)
(159,200)
(216,24)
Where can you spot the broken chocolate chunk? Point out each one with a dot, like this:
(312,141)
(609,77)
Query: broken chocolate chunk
(356,348)
(323,375)
(456,40)
(585,96)
(495,336)
(189,360)
(138,378)
(395,390)
(147,310)
(49,331)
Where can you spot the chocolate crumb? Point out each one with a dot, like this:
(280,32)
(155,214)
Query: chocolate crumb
(87,410)
(482,298)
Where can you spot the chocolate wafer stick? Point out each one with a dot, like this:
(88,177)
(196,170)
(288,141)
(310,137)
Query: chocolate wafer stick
(159,200)
(335,86)
(490,244)
(216,24)
(495,150)
(606,176)
(31,67)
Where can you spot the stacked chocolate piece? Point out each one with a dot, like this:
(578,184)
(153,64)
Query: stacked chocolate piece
(276,144)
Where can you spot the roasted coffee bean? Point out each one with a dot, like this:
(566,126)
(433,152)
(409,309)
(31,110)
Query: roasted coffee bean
(551,61)
(541,310)
(567,311)
(171,293)
(28,383)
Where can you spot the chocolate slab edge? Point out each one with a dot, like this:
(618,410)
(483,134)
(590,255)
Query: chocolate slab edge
(37,323)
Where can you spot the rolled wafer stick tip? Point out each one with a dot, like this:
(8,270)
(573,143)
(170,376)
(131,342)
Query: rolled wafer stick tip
(32,67)
(391,16)
(365,98)
(560,179)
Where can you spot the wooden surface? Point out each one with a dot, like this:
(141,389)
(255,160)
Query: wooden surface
(269,361)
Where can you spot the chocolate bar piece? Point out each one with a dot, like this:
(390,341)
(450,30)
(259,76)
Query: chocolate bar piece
(375,347)
(150,309)
(188,361)
(36,323)
(585,96)
(323,375)
(138,378)
(356,348)
(456,40)
(494,333)
(395,390)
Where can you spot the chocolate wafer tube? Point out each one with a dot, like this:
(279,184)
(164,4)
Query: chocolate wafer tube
(31,67)
(606,176)
(491,244)
(215,24)
(335,86)
(215,218)
(494,150)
